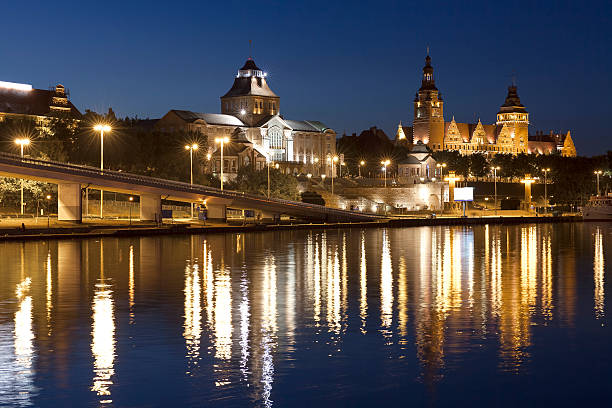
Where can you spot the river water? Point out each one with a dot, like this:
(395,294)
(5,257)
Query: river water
(434,316)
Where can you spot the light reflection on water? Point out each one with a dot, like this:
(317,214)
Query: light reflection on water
(266,318)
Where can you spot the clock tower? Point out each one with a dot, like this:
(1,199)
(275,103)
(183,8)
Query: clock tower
(428,124)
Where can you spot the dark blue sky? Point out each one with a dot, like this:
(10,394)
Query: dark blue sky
(350,64)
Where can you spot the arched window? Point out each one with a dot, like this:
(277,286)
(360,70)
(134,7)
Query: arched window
(276,137)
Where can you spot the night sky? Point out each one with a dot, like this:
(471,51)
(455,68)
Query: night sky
(349,64)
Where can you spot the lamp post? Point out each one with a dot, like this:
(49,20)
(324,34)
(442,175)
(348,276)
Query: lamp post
(452,178)
(333,170)
(546,190)
(385,163)
(131,200)
(323,179)
(597,173)
(48,210)
(495,184)
(222,141)
(25,142)
(268,163)
(441,166)
(191,148)
(361,163)
(102,128)
(317,166)
(528,181)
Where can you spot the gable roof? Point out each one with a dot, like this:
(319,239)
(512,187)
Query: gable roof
(33,102)
(306,125)
(210,118)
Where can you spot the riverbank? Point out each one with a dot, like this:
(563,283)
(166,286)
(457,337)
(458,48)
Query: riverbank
(115,229)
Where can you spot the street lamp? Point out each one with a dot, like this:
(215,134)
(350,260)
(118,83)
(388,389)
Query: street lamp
(323,179)
(361,163)
(597,173)
(545,190)
(333,169)
(48,210)
(101,127)
(22,142)
(131,200)
(222,141)
(385,163)
(268,162)
(191,148)
(441,166)
(495,184)
(528,181)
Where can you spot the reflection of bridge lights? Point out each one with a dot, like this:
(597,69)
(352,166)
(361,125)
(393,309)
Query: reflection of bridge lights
(386,282)
(103,340)
(599,274)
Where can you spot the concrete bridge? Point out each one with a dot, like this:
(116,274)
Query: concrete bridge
(73,179)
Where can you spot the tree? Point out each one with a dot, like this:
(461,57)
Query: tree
(256,182)
(479,166)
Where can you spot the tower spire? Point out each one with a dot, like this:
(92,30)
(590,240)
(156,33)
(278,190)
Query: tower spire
(250,49)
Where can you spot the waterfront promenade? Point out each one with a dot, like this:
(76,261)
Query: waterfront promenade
(51,228)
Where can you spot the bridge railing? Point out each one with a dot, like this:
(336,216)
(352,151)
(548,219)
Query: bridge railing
(131,178)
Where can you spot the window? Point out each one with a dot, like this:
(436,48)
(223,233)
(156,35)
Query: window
(276,137)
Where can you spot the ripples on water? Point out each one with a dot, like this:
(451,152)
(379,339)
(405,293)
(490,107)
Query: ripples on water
(488,315)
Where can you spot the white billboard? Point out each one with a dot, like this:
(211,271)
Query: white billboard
(464,194)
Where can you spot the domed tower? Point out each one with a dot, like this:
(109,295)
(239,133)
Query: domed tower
(514,115)
(428,124)
(250,99)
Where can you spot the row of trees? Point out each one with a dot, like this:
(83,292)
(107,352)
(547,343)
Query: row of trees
(572,178)
(133,145)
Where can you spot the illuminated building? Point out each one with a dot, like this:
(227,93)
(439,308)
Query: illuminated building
(22,101)
(250,116)
(508,135)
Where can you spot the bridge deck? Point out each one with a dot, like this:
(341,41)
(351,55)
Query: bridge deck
(111,180)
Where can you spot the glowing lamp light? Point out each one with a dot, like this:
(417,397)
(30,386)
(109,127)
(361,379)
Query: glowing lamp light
(102,128)
(242,112)
(22,142)
(192,147)
(15,86)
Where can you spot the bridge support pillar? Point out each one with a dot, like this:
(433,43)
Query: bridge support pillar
(150,207)
(69,202)
(216,211)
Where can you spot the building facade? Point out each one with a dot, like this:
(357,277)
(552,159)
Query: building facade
(22,101)
(509,134)
(250,118)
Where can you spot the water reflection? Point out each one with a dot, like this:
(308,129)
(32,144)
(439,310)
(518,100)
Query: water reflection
(193,314)
(103,335)
(247,311)
(599,273)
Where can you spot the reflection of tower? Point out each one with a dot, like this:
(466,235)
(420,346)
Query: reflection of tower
(428,121)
